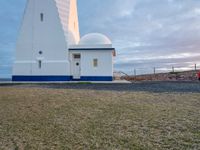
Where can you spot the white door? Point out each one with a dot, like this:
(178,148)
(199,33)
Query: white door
(77,66)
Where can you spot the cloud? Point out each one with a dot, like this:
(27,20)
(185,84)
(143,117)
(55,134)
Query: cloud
(145,33)
(148,33)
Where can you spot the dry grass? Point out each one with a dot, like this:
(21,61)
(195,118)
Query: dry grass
(34,118)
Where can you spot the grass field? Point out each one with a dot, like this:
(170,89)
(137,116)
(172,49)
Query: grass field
(43,118)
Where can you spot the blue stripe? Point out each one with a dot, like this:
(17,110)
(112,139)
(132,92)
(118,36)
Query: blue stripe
(59,78)
(41,78)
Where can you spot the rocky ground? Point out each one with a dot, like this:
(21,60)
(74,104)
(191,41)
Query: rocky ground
(171,76)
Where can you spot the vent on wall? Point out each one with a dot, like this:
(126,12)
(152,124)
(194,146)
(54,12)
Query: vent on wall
(40,64)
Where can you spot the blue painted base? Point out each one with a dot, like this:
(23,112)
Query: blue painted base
(59,78)
(96,78)
(41,78)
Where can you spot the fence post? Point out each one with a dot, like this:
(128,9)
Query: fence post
(154,70)
(135,72)
(173,70)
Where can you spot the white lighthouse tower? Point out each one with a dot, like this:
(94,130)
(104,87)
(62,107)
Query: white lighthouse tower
(48,28)
(49,47)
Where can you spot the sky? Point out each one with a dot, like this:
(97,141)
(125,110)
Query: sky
(145,33)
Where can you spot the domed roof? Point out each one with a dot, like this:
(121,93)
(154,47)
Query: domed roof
(94,39)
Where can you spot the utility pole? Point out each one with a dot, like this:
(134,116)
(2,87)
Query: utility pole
(195,67)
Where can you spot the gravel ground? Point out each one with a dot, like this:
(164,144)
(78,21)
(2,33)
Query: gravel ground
(191,87)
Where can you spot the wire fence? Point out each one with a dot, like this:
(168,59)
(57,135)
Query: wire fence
(157,70)
(175,73)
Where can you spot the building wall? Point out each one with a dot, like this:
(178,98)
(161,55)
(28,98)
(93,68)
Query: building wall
(105,63)
(50,36)
(48,42)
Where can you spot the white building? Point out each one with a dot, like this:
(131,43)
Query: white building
(49,47)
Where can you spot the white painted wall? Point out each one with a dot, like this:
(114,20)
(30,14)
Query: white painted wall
(105,62)
(50,36)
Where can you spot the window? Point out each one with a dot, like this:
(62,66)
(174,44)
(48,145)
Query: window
(95,62)
(41,17)
(40,64)
(77,56)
